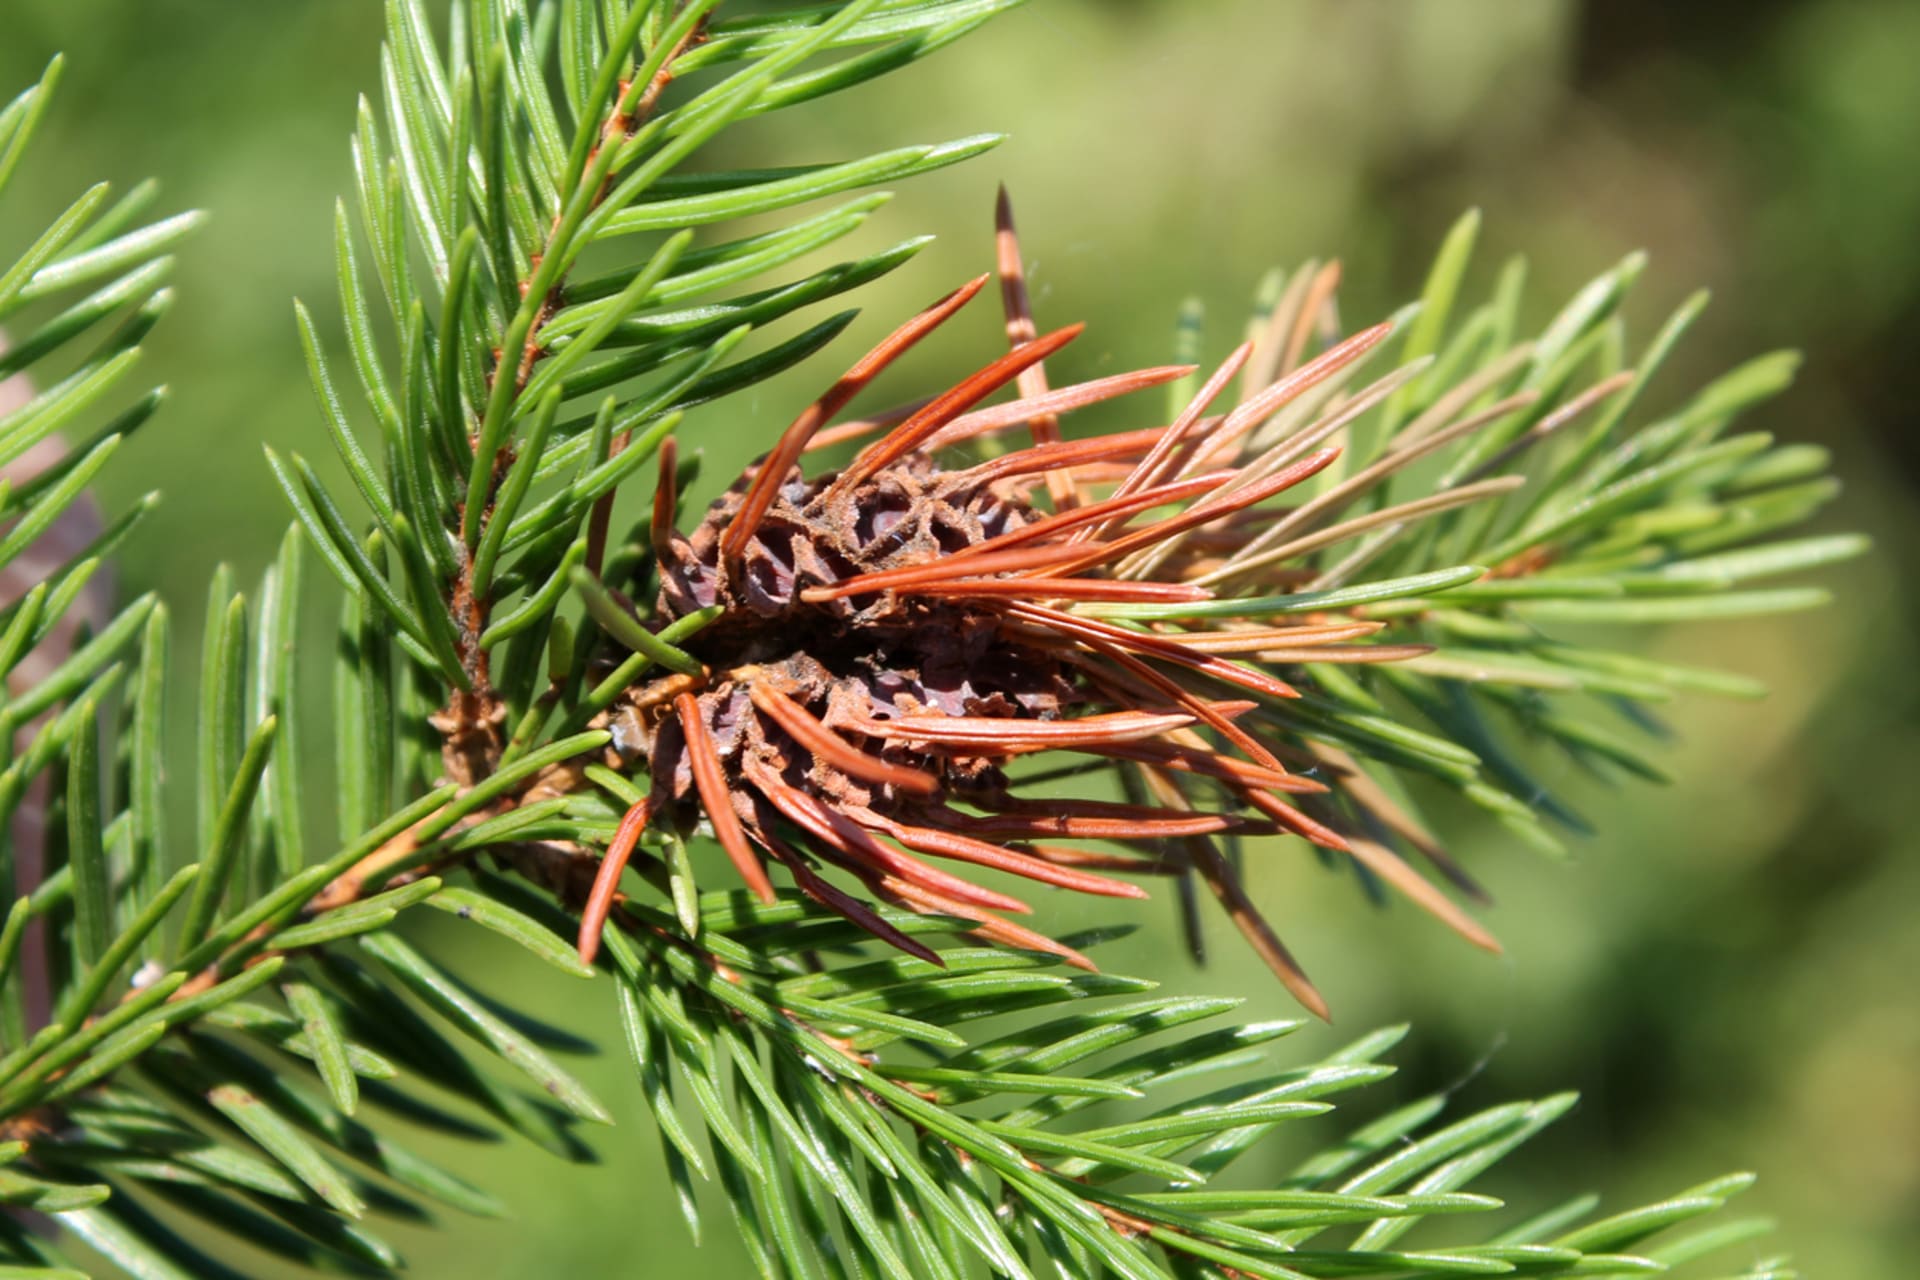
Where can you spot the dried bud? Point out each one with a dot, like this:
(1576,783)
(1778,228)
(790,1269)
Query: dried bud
(891,639)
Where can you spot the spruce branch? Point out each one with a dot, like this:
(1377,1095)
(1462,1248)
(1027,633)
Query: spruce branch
(1253,619)
(62,649)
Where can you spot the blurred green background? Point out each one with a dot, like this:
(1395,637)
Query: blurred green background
(1727,974)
